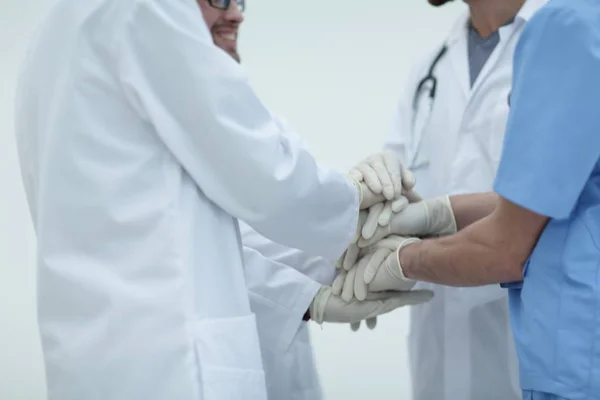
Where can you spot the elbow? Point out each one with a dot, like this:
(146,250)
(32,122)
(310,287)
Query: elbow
(511,268)
(515,271)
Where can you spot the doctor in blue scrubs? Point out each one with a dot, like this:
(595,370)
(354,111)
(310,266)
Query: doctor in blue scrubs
(539,234)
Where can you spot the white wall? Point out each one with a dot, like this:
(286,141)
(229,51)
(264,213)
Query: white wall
(335,70)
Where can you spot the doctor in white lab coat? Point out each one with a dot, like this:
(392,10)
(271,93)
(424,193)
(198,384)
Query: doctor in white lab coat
(282,282)
(141,144)
(460,345)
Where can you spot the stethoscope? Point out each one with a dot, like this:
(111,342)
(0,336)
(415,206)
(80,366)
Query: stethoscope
(426,91)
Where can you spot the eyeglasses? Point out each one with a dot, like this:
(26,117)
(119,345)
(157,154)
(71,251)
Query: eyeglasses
(224,4)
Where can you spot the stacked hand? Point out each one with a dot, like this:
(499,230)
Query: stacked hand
(392,216)
(376,270)
(372,264)
(385,189)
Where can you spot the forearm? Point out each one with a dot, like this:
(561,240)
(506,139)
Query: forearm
(470,208)
(475,256)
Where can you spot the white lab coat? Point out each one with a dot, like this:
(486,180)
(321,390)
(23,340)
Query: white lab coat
(141,144)
(460,344)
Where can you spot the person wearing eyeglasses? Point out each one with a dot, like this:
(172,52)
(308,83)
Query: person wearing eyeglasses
(285,284)
(141,145)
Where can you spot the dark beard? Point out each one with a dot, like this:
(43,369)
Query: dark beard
(438,3)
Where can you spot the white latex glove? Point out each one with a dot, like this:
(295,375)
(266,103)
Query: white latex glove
(381,214)
(327,307)
(377,270)
(377,215)
(433,217)
(366,196)
(383,174)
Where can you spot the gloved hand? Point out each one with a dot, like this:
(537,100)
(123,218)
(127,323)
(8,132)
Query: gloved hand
(381,214)
(327,307)
(433,217)
(378,215)
(383,174)
(377,270)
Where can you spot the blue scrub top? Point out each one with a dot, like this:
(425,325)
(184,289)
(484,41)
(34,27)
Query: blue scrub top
(550,165)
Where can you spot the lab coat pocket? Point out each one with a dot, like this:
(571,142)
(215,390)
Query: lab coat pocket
(229,357)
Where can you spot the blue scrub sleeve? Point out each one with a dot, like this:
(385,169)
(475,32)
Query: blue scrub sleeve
(552,140)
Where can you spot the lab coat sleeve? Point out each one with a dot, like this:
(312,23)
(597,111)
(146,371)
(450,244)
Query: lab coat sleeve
(202,107)
(282,283)
(552,142)
(279,297)
(317,268)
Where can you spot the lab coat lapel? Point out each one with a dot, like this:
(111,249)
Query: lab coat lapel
(507,35)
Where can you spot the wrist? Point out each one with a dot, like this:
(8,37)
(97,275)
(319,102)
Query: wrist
(317,307)
(358,188)
(442,216)
(407,255)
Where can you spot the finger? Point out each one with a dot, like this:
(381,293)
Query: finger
(371,223)
(356,174)
(360,287)
(363,215)
(387,186)
(340,261)
(351,256)
(380,233)
(385,215)
(372,322)
(413,197)
(355,326)
(370,178)
(408,179)
(400,204)
(374,264)
(394,170)
(396,300)
(390,242)
(338,283)
(348,289)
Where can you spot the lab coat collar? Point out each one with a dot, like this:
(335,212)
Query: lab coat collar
(458,30)
(529,8)
(525,13)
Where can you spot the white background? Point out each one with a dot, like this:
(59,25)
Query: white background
(335,70)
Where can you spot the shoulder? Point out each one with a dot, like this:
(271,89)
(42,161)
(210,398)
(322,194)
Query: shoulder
(171,12)
(571,17)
